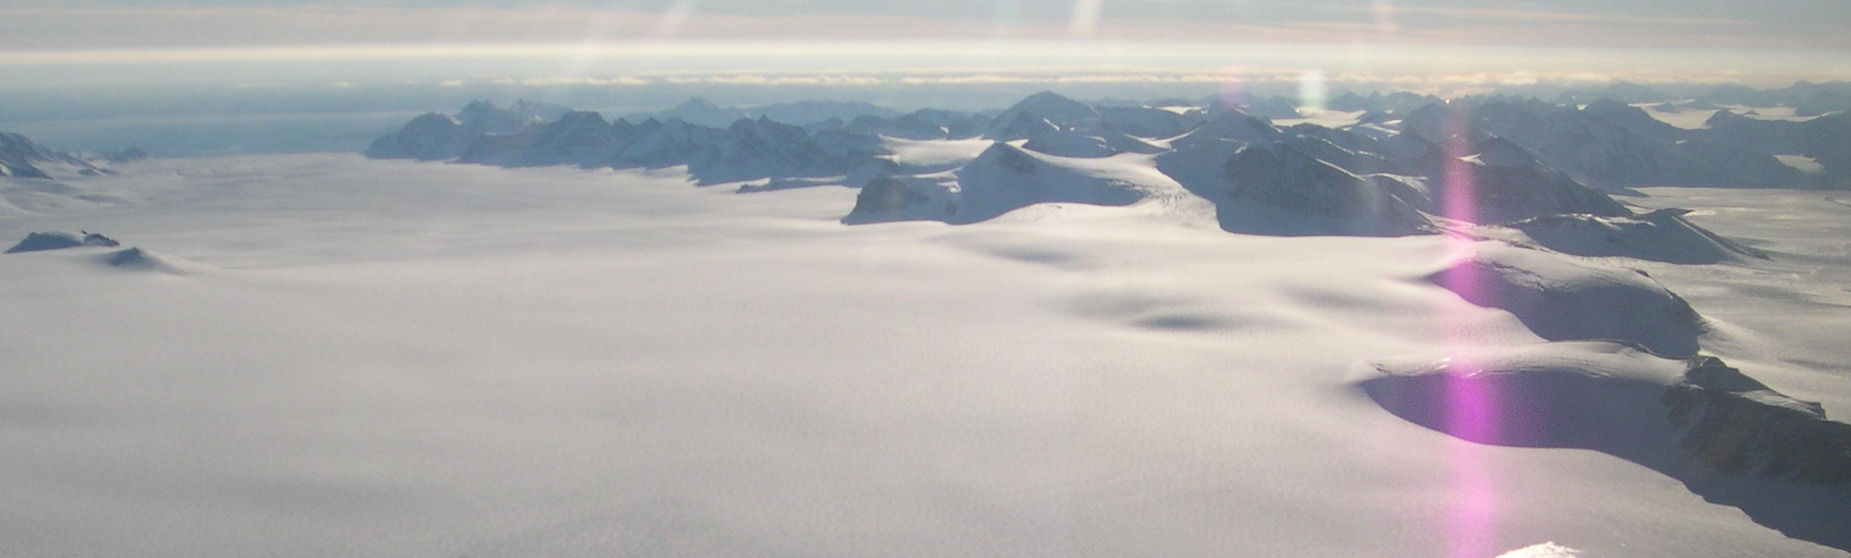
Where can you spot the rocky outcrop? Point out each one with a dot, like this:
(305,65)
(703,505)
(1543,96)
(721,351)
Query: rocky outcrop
(41,241)
(1735,424)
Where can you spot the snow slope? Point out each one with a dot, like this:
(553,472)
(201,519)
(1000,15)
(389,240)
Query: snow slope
(387,358)
(23,158)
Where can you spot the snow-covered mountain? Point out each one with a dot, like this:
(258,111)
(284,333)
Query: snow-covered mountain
(1058,125)
(746,149)
(1498,181)
(654,144)
(485,117)
(1408,165)
(1001,179)
(805,113)
(1272,187)
(1308,179)
(1040,112)
(924,124)
(428,137)
(438,137)
(1148,122)
(754,149)
(1662,235)
(1230,125)
(577,137)
(23,158)
(1805,97)
(697,111)
(1318,180)
(1825,140)
(1611,144)
(1005,178)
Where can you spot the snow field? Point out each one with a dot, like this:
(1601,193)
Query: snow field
(400,359)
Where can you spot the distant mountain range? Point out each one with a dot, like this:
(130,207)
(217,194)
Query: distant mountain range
(702,112)
(23,158)
(1407,164)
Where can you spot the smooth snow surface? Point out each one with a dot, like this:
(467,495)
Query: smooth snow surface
(1567,299)
(1691,118)
(926,156)
(1782,320)
(388,358)
(1328,119)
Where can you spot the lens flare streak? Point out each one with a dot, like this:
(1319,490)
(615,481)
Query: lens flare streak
(1472,406)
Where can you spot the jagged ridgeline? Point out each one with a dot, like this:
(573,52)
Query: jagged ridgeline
(21,157)
(1406,165)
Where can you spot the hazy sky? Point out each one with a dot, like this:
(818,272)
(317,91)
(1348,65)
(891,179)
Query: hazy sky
(256,42)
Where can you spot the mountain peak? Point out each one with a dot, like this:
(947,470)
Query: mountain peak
(697,103)
(24,158)
(1042,111)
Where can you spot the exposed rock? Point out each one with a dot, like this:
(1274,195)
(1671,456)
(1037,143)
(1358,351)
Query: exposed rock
(1735,424)
(40,241)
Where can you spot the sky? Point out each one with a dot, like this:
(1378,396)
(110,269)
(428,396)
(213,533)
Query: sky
(89,72)
(266,41)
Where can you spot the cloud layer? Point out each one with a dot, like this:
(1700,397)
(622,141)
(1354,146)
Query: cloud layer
(428,39)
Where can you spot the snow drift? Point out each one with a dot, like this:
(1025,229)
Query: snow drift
(84,246)
(1562,298)
(631,366)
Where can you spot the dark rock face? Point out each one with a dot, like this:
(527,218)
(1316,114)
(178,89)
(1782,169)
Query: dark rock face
(1285,177)
(1275,187)
(429,137)
(885,196)
(890,198)
(1734,424)
(1501,194)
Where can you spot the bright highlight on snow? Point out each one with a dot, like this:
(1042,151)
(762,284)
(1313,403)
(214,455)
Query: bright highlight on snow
(1544,550)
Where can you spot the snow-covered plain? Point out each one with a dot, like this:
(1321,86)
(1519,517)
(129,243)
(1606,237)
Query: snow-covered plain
(325,355)
(1694,118)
